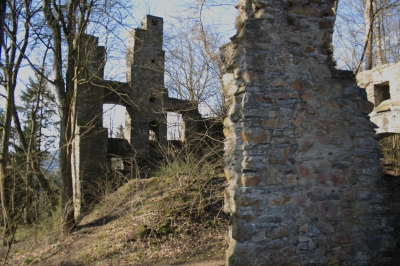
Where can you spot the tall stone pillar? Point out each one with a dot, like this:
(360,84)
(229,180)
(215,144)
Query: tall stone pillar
(145,63)
(301,161)
(90,139)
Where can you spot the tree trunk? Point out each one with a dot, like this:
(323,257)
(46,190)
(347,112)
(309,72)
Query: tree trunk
(368,18)
(34,166)
(5,178)
(3,7)
(64,100)
(28,213)
(377,32)
(66,192)
(14,55)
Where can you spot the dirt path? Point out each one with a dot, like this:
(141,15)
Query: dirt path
(66,253)
(110,235)
(207,263)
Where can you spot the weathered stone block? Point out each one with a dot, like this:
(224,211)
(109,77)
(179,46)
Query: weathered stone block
(319,161)
(246,201)
(241,230)
(365,195)
(279,156)
(278,199)
(254,136)
(250,179)
(301,85)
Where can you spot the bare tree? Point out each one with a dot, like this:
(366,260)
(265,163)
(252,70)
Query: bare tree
(192,74)
(366,31)
(193,64)
(38,108)
(69,21)
(368,20)
(17,32)
(3,7)
(378,36)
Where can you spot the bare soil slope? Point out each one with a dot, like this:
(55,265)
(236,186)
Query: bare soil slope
(146,222)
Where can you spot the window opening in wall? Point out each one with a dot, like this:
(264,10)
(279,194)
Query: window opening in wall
(154,22)
(114,120)
(153,131)
(153,61)
(174,126)
(382,97)
(152,99)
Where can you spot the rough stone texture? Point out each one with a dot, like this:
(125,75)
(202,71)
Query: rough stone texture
(383,89)
(89,145)
(301,160)
(146,101)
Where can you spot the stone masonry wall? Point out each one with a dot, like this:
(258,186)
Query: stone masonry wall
(146,101)
(301,160)
(145,59)
(90,141)
(388,118)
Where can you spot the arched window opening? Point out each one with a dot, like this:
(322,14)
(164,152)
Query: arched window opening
(114,120)
(154,131)
(174,126)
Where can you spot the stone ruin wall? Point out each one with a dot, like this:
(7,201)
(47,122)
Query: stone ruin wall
(382,84)
(146,101)
(301,161)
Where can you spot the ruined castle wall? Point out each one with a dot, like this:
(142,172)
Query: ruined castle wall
(89,145)
(89,165)
(386,114)
(89,101)
(146,101)
(301,161)
(145,60)
(385,73)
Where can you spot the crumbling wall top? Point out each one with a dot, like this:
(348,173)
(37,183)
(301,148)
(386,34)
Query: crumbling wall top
(382,84)
(153,23)
(379,74)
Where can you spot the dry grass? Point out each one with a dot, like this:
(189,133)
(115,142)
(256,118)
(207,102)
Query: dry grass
(173,217)
(390,146)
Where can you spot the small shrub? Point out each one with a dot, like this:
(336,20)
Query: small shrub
(29,260)
(390,146)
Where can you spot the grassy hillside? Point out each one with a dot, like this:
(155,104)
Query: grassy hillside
(173,217)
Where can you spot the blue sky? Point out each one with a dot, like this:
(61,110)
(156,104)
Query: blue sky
(221,15)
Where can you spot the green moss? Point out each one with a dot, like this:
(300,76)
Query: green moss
(143,231)
(29,260)
(164,228)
